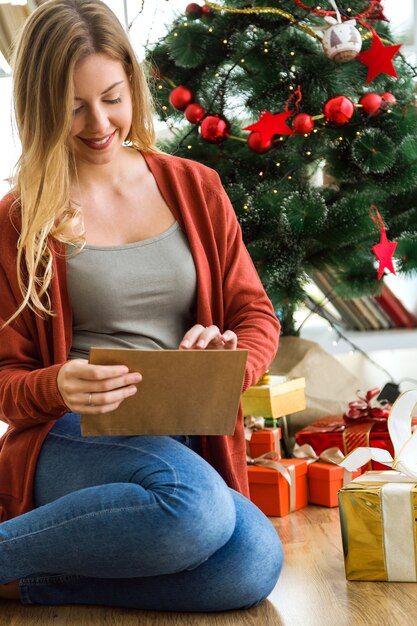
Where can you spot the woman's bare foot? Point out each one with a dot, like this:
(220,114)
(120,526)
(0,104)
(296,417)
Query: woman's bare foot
(10,591)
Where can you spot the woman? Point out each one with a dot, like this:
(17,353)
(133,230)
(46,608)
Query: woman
(106,241)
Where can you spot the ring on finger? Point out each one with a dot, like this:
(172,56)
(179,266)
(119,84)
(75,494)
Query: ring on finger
(89,399)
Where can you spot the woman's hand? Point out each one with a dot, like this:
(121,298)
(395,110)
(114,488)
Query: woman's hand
(91,389)
(209,337)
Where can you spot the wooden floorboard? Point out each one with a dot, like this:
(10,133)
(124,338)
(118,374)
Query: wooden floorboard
(312,591)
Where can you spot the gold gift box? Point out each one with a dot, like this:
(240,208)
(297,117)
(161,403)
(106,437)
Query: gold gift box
(276,398)
(379,529)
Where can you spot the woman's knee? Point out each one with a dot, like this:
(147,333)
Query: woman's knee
(253,558)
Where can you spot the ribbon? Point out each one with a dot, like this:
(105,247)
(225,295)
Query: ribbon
(367,408)
(403,440)
(330,455)
(271,460)
(255,424)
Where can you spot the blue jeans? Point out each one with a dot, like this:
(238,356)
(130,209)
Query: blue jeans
(139,522)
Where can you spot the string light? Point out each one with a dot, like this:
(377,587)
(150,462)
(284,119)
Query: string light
(242,60)
(292,53)
(290,177)
(175,34)
(275,190)
(160,87)
(210,30)
(277,164)
(225,41)
(308,153)
(189,147)
(261,173)
(266,50)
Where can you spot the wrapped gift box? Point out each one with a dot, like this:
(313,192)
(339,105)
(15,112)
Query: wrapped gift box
(324,482)
(277,397)
(330,432)
(263,441)
(379,529)
(271,492)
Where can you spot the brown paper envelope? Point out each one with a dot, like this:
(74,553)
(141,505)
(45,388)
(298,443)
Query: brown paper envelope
(183,392)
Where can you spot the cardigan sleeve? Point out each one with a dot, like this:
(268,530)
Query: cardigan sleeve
(247,309)
(28,388)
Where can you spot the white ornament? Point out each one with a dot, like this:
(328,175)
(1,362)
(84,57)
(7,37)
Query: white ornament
(341,40)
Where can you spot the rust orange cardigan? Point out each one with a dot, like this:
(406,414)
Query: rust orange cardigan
(32,349)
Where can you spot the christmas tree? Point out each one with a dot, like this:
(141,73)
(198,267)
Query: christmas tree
(309,116)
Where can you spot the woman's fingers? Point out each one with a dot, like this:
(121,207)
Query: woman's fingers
(201,337)
(95,388)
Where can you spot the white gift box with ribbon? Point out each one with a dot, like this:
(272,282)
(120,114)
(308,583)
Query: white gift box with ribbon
(377,509)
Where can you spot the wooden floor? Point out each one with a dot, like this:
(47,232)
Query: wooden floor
(312,591)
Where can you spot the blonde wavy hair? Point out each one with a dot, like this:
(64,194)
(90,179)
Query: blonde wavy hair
(55,37)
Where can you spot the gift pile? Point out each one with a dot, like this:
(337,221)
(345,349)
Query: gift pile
(279,486)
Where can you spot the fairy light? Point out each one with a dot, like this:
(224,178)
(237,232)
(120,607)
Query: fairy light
(225,41)
(175,34)
(254,30)
(308,153)
(164,108)
(275,190)
(292,53)
(210,30)
(160,87)
(261,173)
(315,130)
(242,60)
(266,50)
(358,132)
(291,88)
(281,138)
(277,164)
(289,177)
(189,147)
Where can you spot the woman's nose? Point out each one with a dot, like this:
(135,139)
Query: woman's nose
(97,119)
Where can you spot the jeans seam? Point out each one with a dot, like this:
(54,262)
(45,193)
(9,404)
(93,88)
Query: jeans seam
(73,519)
(77,439)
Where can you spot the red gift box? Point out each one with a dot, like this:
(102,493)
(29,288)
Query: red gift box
(271,492)
(263,441)
(330,432)
(324,482)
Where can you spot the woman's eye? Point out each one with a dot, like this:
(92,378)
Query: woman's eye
(77,110)
(115,101)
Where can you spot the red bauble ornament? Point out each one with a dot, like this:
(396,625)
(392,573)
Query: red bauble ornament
(194,112)
(338,110)
(303,123)
(214,129)
(206,11)
(181,97)
(387,99)
(371,104)
(194,10)
(259,144)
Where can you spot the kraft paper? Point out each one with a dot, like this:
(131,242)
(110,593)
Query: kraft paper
(183,392)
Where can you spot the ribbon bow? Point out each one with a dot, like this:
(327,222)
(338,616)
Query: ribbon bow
(330,455)
(367,408)
(403,440)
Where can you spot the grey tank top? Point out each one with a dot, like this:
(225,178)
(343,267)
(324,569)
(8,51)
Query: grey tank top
(137,295)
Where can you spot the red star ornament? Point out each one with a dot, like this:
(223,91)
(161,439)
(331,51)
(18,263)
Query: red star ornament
(384,251)
(269,125)
(379,58)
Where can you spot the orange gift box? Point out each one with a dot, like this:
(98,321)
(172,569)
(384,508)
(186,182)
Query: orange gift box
(263,441)
(324,482)
(271,492)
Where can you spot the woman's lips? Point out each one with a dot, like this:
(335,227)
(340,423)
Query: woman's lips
(100,143)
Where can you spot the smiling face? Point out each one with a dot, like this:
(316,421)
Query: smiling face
(102,114)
